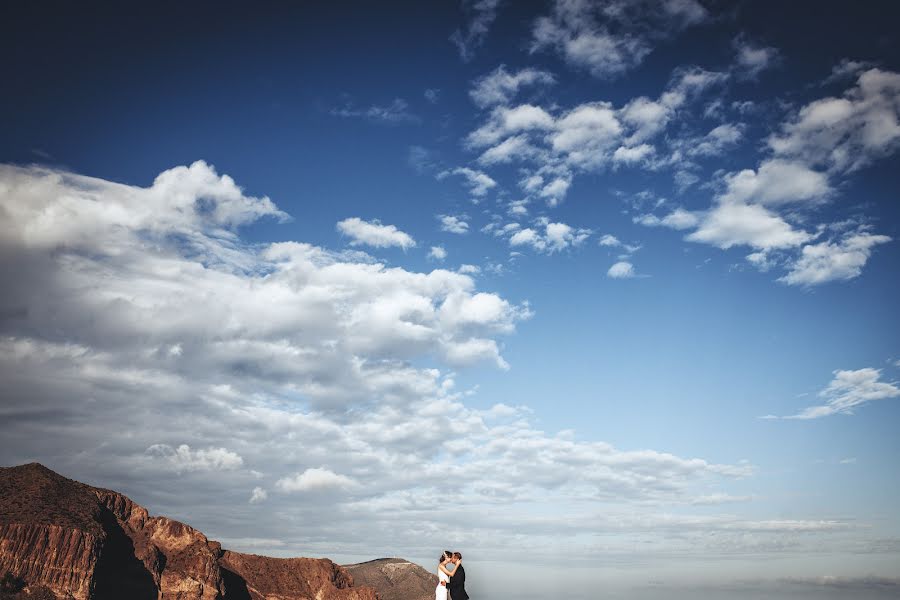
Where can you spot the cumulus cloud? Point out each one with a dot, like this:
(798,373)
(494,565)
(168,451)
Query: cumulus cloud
(621,270)
(845,133)
(730,224)
(258,495)
(848,391)
(437,253)
(499,86)
(716,141)
(132,305)
(609,38)
(833,261)
(314,480)
(454,223)
(776,182)
(553,145)
(759,208)
(478,182)
(183,458)
(546,237)
(373,233)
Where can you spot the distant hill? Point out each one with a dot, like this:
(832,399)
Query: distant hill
(77,541)
(395,579)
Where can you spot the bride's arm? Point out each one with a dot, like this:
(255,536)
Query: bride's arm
(444,569)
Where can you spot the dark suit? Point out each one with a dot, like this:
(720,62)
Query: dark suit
(457,585)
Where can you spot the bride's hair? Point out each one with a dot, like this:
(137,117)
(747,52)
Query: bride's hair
(447,555)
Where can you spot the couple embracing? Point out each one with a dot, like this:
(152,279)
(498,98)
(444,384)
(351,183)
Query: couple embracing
(451,577)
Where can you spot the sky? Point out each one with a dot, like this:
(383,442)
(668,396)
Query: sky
(601,294)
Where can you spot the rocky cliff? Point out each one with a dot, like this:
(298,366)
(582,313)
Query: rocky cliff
(89,543)
(395,579)
(292,578)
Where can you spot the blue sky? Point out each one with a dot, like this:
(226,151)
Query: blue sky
(614,281)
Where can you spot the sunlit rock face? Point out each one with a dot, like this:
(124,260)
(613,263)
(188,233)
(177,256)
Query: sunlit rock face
(89,543)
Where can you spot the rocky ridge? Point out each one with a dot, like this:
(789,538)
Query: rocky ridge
(88,543)
(395,579)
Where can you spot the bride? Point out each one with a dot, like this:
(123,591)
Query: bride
(440,592)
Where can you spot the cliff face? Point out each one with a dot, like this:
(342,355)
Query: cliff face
(395,579)
(58,557)
(88,543)
(291,579)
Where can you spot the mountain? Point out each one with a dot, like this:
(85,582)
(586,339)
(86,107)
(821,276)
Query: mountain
(395,579)
(88,543)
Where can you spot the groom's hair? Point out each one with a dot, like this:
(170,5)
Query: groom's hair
(457,555)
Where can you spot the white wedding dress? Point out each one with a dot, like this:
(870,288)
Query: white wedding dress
(440,592)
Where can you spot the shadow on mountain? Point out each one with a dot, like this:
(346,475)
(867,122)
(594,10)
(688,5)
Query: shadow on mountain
(119,573)
(235,586)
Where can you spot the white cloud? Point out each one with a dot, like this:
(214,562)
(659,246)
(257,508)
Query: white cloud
(314,480)
(753,59)
(609,240)
(730,224)
(716,141)
(437,253)
(373,233)
(469,269)
(848,69)
(833,261)
(555,237)
(258,495)
(757,208)
(846,133)
(150,262)
(346,379)
(677,219)
(517,147)
(554,144)
(507,121)
(610,38)
(776,182)
(432,95)
(632,155)
(621,270)
(454,223)
(479,182)
(848,391)
(482,14)
(499,86)
(183,459)
(518,208)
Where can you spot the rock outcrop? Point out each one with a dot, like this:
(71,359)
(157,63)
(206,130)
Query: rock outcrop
(292,578)
(395,579)
(89,543)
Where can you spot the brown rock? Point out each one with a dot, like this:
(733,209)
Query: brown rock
(268,578)
(89,543)
(395,579)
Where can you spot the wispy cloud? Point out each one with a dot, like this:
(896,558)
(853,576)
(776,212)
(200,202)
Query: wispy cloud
(481,14)
(848,391)
(610,38)
(397,111)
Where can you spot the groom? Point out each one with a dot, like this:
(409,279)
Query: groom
(457,586)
